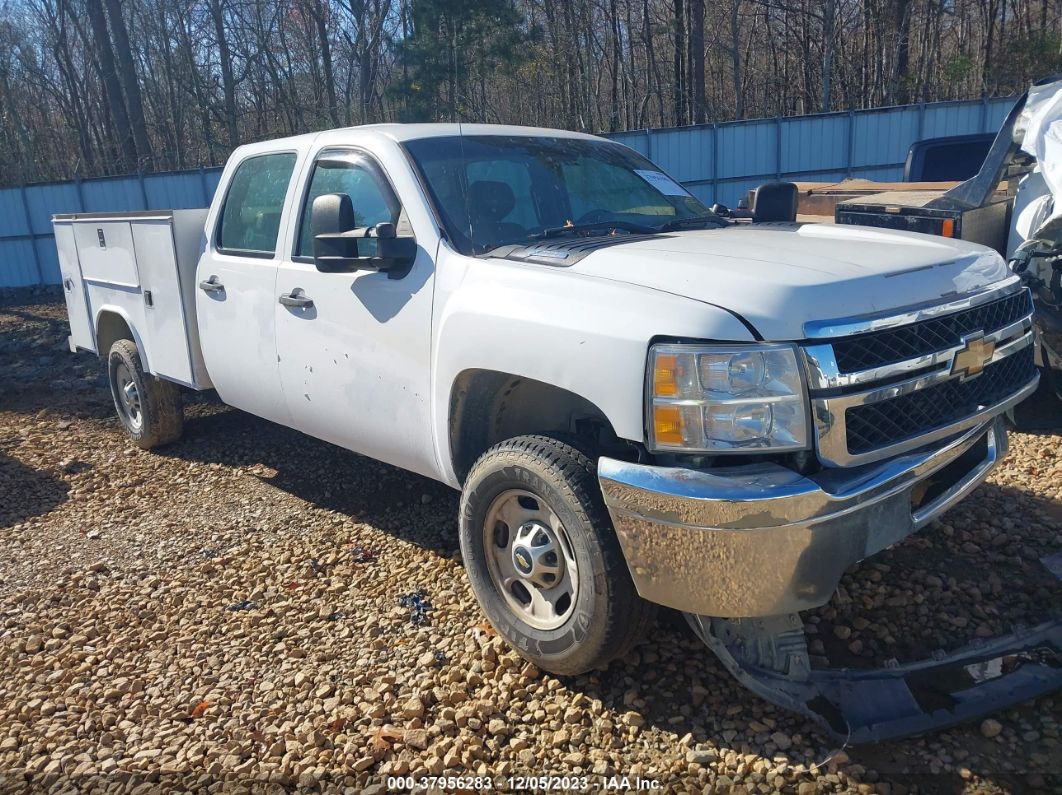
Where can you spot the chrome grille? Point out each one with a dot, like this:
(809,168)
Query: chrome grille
(867,404)
(875,425)
(864,351)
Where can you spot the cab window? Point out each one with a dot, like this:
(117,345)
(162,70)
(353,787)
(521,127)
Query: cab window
(254,202)
(373,200)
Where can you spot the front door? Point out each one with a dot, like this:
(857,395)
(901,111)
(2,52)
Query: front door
(354,347)
(236,280)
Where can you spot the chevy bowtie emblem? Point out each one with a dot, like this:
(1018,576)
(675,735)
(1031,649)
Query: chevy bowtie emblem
(972,358)
(523,562)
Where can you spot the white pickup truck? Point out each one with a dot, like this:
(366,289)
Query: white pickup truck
(642,401)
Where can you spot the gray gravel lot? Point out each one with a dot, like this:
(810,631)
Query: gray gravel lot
(224,614)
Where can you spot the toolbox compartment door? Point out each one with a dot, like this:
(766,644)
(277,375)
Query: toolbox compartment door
(105,249)
(81,330)
(165,322)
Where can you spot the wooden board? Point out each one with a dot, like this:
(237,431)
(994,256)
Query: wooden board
(821,198)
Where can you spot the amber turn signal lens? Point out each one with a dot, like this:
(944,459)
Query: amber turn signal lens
(668,425)
(947,227)
(665,375)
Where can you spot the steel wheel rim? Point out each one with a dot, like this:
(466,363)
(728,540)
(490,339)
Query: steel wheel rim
(128,397)
(530,559)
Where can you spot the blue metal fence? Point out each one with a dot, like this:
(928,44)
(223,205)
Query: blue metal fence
(27,248)
(721,162)
(717,162)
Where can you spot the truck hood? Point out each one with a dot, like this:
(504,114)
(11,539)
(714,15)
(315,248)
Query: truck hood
(780,276)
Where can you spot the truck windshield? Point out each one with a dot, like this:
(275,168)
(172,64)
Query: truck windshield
(493,190)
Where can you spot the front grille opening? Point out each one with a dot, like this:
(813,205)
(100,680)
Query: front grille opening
(878,348)
(933,488)
(876,425)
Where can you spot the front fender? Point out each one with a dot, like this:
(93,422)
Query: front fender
(586,335)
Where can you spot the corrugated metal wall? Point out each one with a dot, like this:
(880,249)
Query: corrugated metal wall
(717,162)
(721,162)
(27,250)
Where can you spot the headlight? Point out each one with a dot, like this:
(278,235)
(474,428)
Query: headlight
(719,398)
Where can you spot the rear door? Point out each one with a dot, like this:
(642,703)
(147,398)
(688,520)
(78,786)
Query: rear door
(355,359)
(236,279)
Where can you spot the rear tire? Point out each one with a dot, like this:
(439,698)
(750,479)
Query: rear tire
(543,558)
(149,408)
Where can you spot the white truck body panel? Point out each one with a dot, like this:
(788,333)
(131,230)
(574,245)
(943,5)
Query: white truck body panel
(141,268)
(780,276)
(238,323)
(82,327)
(561,327)
(105,249)
(364,349)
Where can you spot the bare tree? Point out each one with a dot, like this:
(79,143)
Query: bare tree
(126,142)
(104,86)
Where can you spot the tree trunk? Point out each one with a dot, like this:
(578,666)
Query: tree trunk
(130,82)
(829,12)
(680,63)
(735,59)
(901,73)
(700,105)
(228,81)
(617,60)
(126,153)
(325,46)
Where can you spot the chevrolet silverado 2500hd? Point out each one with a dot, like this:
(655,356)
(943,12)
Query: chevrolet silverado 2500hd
(643,402)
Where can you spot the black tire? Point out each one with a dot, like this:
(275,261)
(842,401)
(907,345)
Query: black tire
(159,415)
(607,617)
(1053,378)
(1042,409)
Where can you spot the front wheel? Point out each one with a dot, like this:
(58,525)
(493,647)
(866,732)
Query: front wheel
(543,559)
(149,408)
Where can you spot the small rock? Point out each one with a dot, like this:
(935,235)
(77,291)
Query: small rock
(782,740)
(702,757)
(633,718)
(416,738)
(414,708)
(990,727)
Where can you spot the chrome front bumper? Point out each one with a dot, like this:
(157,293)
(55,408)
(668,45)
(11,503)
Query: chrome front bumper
(762,540)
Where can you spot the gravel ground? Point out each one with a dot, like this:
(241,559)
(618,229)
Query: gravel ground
(226,614)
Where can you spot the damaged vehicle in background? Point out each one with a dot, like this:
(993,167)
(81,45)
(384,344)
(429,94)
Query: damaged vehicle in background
(1035,245)
(643,403)
(1013,204)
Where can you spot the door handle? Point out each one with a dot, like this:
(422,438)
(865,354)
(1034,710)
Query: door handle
(68,284)
(297,299)
(211,285)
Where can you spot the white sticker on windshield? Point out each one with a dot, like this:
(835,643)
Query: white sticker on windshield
(662,182)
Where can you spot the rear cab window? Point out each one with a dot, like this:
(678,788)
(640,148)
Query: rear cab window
(254,203)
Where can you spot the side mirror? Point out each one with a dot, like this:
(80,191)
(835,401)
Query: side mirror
(340,247)
(775,201)
(331,221)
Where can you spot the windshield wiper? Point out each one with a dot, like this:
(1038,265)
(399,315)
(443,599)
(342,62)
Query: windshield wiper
(626,226)
(690,223)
